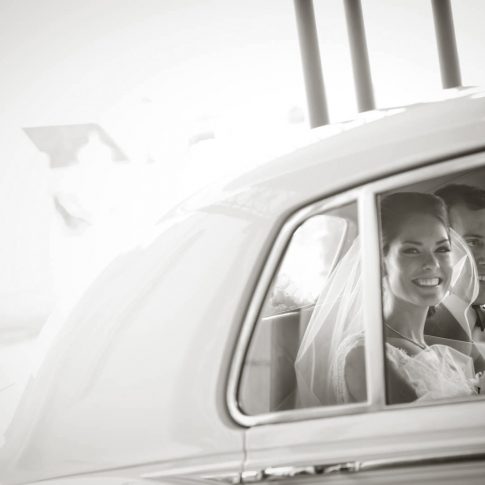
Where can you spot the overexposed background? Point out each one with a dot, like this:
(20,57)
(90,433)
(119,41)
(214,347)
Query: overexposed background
(163,97)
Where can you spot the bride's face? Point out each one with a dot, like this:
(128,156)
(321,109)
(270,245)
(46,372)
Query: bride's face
(417,264)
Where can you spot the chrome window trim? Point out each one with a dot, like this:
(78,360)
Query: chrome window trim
(365,197)
(258,297)
(323,470)
(372,300)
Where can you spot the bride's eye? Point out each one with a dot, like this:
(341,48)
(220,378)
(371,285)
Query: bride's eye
(443,249)
(410,251)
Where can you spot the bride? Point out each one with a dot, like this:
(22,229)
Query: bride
(423,260)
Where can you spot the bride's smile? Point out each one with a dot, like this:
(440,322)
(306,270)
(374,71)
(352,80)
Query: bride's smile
(427,282)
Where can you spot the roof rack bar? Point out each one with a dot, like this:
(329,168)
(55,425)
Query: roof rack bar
(359,55)
(311,62)
(446,41)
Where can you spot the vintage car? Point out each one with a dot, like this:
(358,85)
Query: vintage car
(177,364)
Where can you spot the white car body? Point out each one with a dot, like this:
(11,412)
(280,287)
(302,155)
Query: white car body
(156,334)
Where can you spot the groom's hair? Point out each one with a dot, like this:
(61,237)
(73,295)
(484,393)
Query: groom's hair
(471,197)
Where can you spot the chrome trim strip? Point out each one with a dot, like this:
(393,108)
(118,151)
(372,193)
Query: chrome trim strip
(257,301)
(372,300)
(293,472)
(410,462)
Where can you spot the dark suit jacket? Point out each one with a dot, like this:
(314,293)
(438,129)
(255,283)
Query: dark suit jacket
(442,327)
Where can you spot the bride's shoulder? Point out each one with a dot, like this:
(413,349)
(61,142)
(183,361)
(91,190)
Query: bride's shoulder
(356,340)
(354,366)
(352,351)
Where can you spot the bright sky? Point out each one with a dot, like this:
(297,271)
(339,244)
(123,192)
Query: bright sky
(195,87)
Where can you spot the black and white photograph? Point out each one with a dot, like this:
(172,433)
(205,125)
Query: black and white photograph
(243,242)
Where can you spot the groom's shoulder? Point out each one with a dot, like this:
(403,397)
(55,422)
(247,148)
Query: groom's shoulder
(442,323)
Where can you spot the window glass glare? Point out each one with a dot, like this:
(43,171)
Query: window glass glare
(306,264)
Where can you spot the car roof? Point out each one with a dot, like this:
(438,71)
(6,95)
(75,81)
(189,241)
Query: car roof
(392,141)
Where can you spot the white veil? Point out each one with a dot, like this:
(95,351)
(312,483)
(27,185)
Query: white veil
(464,283)
(463,292)
(336,318)
(336,324)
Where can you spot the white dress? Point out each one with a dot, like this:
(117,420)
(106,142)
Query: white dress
(436,372)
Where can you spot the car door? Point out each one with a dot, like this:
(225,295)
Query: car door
(432,442)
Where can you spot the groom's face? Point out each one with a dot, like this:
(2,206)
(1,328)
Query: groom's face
(470,224)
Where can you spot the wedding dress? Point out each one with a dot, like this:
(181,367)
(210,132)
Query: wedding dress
(336,329)
(436,372)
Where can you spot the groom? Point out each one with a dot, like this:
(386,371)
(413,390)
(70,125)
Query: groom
(466,210)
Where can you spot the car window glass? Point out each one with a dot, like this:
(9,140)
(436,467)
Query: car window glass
(433,260)
(283,366)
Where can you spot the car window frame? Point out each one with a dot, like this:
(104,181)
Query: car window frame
(366,198)
(360,197)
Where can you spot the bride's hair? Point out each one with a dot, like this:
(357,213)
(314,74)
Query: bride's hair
(402,205)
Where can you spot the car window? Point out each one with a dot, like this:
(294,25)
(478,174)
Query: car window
(307,347)
(279,369)
(433,259)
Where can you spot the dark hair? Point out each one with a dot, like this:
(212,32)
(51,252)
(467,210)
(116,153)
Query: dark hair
(401,205)
(471,197)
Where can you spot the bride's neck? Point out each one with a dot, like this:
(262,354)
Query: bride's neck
(407,319)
